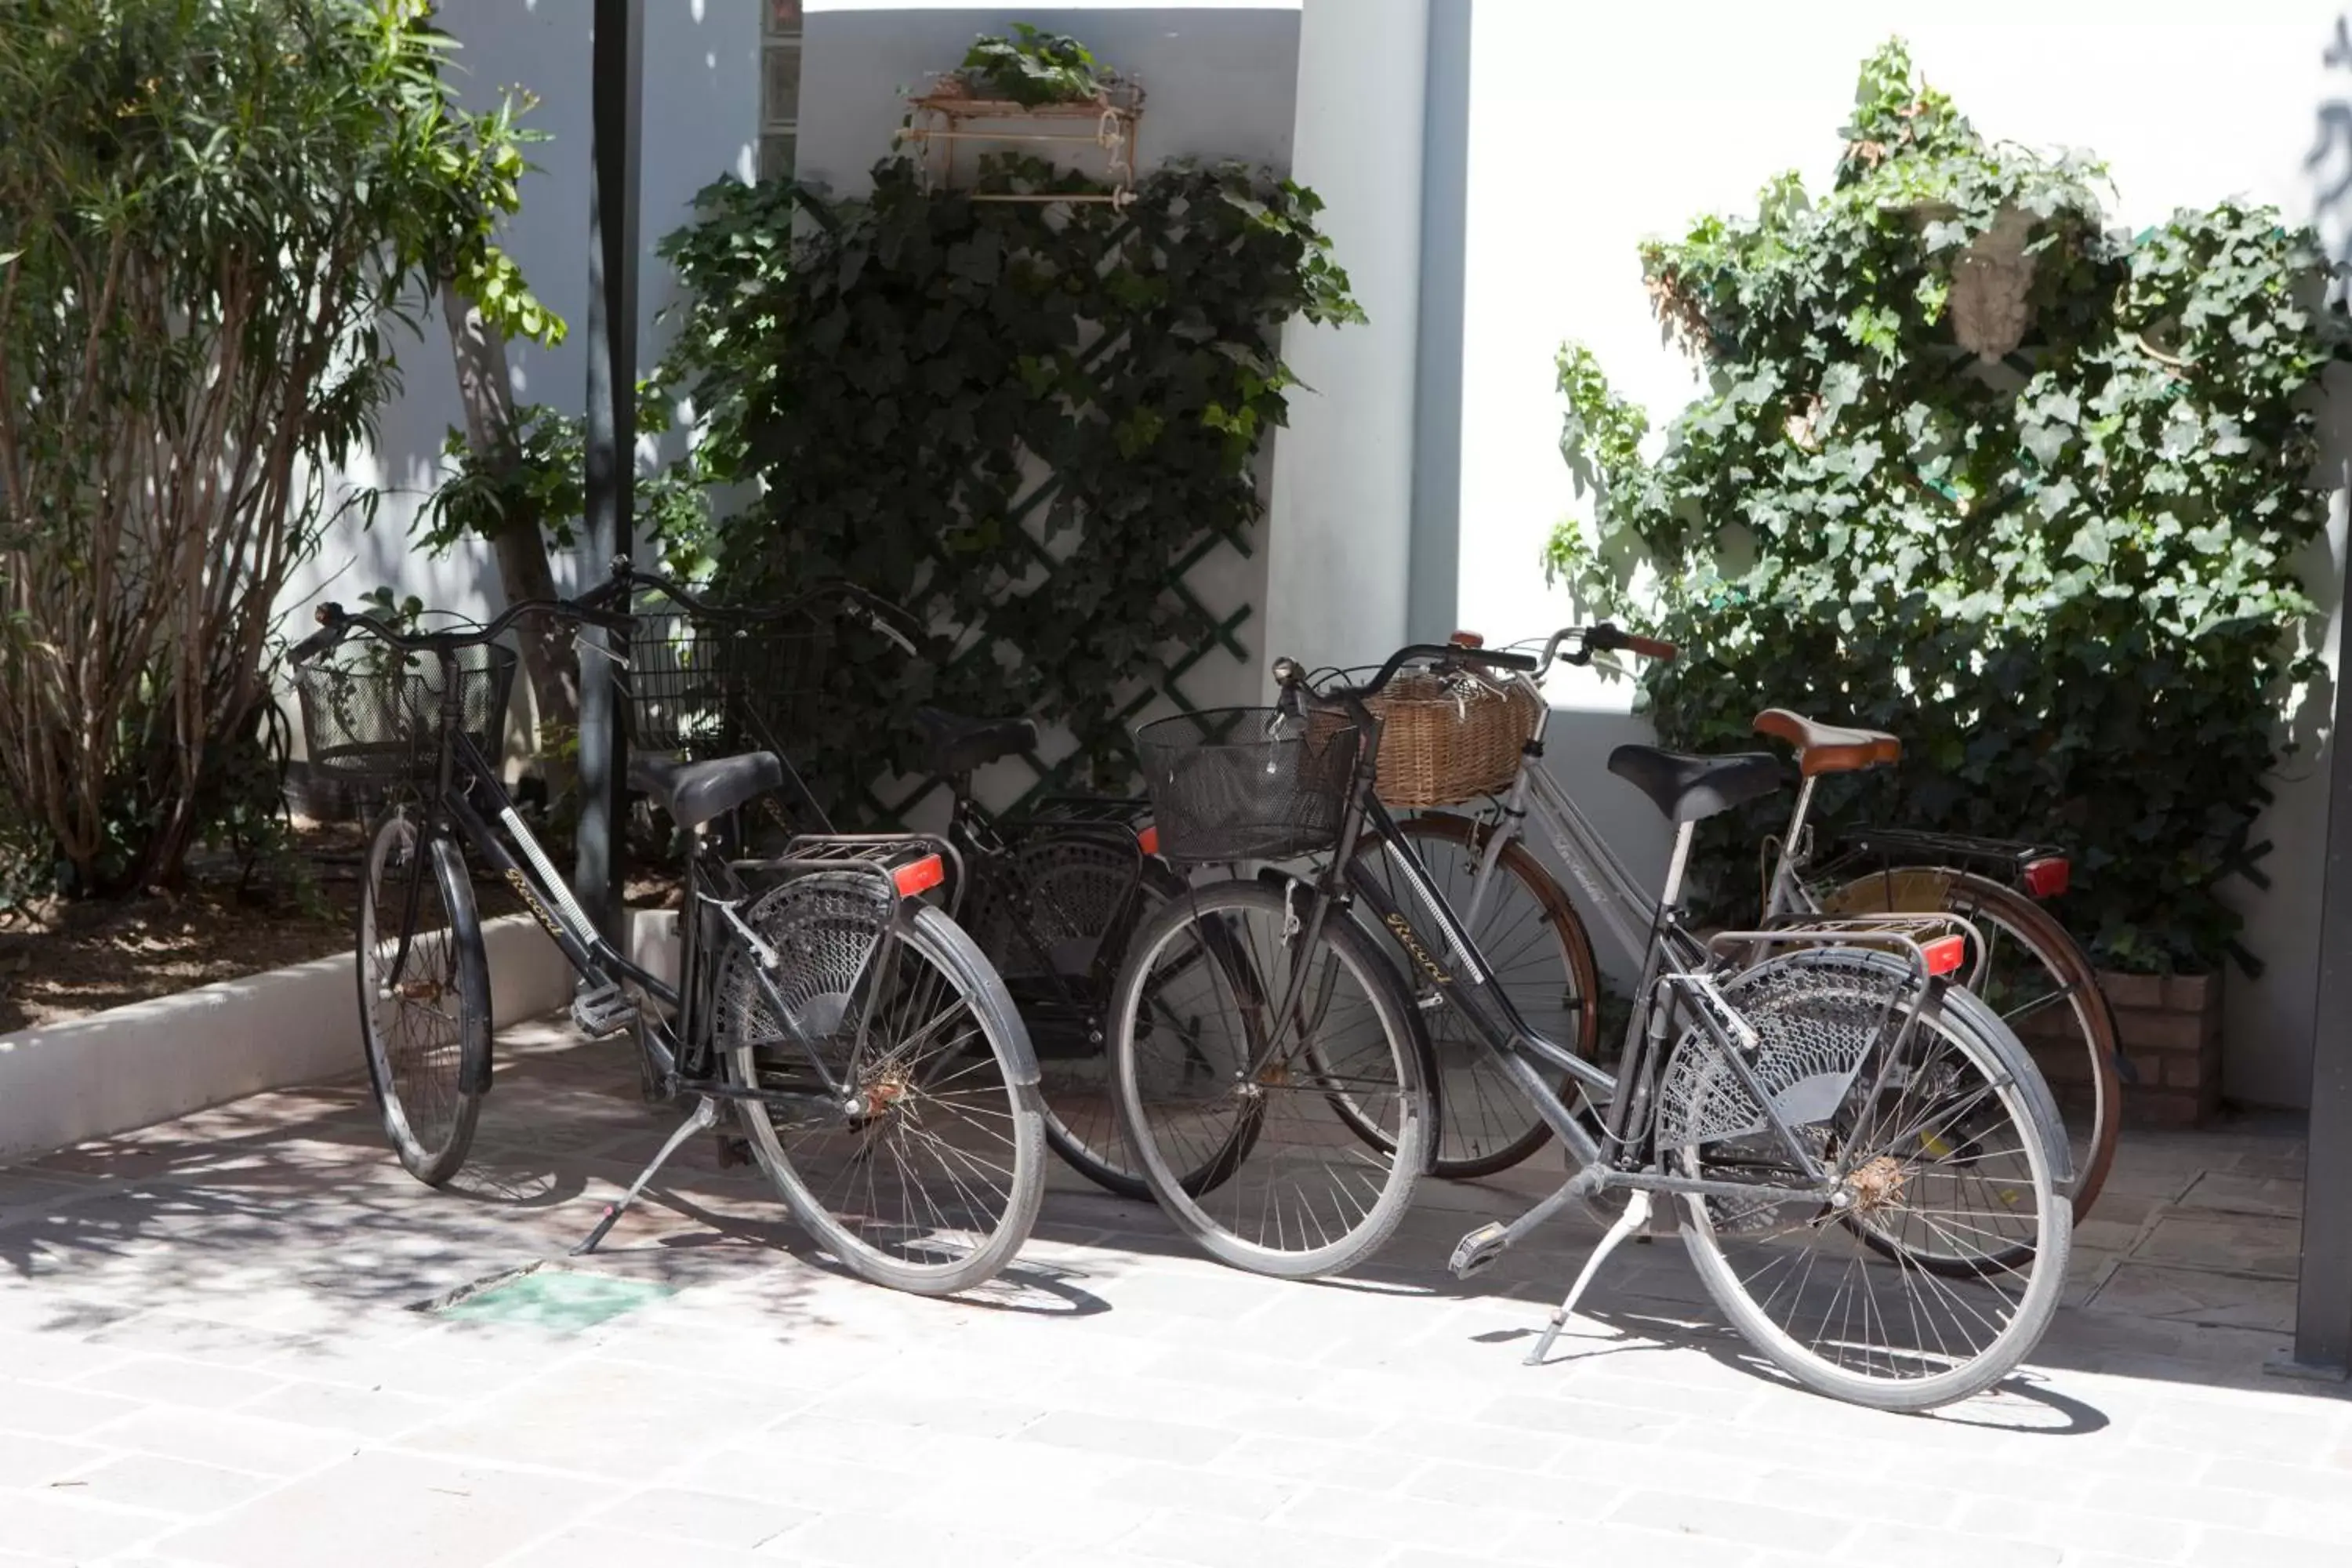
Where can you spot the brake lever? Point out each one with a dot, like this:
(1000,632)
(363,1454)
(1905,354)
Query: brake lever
(876,619)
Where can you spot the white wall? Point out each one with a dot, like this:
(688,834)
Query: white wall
(701,115)
(1217,79)
(1593,127)
(1342,533)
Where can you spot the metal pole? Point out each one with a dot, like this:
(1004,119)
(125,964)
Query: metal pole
(2323,1306)
(612,432)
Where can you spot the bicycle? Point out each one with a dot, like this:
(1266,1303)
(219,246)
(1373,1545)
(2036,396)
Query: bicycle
(1833,1119)
(2021,961)
(875,1062)
(1050,896)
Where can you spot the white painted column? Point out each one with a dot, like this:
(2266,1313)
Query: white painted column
(1340,533)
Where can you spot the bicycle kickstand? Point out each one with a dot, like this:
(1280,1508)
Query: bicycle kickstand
(706,1115)
(1636,1215)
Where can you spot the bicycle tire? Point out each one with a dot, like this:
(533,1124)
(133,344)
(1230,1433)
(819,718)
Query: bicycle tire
(429,1097)
(1990,1065)
(1512,1129)
(1256,1152)
(841,920)
(2046,944)
(1075,885)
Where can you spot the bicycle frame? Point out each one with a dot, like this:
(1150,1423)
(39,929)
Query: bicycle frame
(671,1047)
(1674,977)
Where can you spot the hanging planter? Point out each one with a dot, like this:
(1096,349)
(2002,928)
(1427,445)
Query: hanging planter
(1992,282)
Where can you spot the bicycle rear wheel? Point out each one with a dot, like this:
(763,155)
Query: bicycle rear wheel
(1237,1114)
(424,995)
(933,1183)
(1055,925)
(2039,983)
(1530,936)
(1941,1148)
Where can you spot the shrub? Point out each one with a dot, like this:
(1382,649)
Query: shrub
(2056,550)
(212,218)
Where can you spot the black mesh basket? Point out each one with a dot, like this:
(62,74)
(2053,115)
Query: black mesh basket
(371,714)
(1247,784)
(709,688)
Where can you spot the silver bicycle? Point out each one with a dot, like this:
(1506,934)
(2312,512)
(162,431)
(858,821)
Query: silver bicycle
(2021,962)
(1863,1160)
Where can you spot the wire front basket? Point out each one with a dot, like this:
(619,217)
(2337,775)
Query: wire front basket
(1247,784)
(373,715)
(708,688)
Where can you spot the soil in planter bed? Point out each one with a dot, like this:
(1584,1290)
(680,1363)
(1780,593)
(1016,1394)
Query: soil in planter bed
(68,959)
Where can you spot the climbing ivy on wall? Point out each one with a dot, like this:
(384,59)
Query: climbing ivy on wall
(1018,419)
(2048,532)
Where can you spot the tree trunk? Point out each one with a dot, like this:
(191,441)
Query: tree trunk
(484,391)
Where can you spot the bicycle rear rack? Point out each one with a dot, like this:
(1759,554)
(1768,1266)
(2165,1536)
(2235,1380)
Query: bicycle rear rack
(2008,857)
(877,854)
(1058,810)
(1905,936)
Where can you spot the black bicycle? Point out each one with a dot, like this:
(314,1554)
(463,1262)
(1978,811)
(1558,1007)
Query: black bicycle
(1051,894)
(867,1052)
(1867,1169)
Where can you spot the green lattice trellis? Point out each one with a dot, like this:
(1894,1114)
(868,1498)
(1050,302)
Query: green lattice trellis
(1054,778)
(895,372)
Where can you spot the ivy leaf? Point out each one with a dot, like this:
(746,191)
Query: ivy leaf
(1840,384)
(2089,544)
(979,260)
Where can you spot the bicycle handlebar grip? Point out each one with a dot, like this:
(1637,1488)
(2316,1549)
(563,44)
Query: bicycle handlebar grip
(314,644)
(1650,647)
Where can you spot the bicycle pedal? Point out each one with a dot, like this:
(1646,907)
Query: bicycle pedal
(604,1011)
(1478,1248)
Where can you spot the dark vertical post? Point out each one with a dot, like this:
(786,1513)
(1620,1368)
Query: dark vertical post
(1436,556)
(2323,1306)
(612,432)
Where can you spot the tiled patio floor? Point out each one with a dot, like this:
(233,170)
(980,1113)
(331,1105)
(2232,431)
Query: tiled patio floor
(208,1355)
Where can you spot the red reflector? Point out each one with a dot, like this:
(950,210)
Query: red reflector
(919,876)
(1944,953)
(1149,839)
(2046,878)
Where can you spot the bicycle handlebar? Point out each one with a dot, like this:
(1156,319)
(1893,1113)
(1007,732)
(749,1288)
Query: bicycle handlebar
(874,610)
(337,624)
(1605,637)
(592,608)
(1288,672)
(1602,637)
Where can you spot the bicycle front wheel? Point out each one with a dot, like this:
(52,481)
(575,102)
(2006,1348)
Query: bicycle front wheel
(1245,1064)
(1941,1153)
(930,1177)
(424,995)
(1532,940)
(2040,982)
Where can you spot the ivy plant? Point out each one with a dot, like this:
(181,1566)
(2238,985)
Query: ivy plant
(1032,68)
(1014,419)
(544,479)
(2064,569)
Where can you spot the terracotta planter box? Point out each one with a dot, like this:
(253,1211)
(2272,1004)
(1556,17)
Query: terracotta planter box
(2170,1026)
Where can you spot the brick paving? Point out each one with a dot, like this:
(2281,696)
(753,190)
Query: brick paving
(211,1353)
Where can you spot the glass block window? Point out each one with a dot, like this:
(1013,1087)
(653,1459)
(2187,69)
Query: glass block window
(780,87)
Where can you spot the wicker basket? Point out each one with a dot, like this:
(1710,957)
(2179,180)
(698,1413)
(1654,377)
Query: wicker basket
(1448,739)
